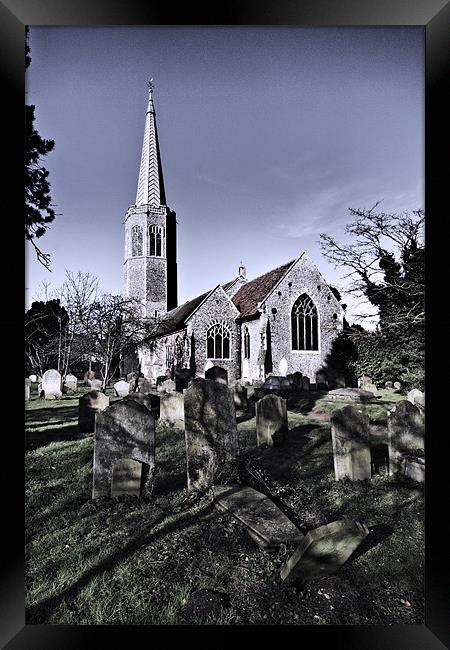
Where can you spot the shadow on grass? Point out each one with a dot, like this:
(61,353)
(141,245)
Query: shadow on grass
(376,535)
(38,614)
(36,439)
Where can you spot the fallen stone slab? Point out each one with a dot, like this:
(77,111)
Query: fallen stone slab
(324,550)
(265,522)
(351,394)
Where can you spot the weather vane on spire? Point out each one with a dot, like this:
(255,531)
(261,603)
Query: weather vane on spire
(151,85)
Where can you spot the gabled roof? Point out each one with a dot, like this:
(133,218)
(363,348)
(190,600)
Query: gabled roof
(253,292)
(176,319)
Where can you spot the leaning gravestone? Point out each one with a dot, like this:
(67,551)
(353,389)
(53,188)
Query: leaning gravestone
(171,408)
(124,450)
(122,388)
(88,405)
(263,520)
(415,396)
(217,373)
(51,384)
(211,433)
(351,444)
(167,386)
(406,433)
(27,389)
(240,397)
(271,420)
(324,550)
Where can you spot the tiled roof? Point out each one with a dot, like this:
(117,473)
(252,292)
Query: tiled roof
(175,319)
(253,292)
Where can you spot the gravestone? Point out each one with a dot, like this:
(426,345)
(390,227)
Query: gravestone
(121,388)
(364,380)
(388,385)
(413,467)
(351,444)
(211,433)
(182,378)
(263,520)
(350,395)
(297,378)
(149,401)
(324,550)
(208,365)
(96,384)
(171,408)
(132,376)
(51,384)
(339,382)
(145,387)
(160,379)
(33,378)
(406,433)
(89,376)
(217,373)
(27,389)
(321,381)
(88,405)
(240,397)
(283,367)
(271,420)
(167,386)
(397,385)
(305,383)
(71,382)
(124,450)
(415,396)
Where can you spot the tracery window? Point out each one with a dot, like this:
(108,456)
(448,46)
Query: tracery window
(218,339)
(136,241)
(246,338)
(156,241)
(304,324)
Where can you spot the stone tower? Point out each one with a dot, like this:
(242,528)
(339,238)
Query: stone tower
(150,265)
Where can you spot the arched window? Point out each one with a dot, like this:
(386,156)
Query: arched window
(304,324)
(136,241)
(218,342)
(246,337)
(156,241)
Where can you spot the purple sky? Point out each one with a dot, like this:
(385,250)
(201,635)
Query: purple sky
(268,135)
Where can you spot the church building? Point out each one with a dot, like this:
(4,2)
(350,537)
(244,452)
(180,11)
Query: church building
(281,322)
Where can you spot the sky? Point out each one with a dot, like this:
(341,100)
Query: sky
(268,135)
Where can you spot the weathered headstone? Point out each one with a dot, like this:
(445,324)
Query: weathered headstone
(240,397)
(271,420)
(364,380)
(413,467)
(324,550)
(211,433)
(33,378)
(71,382)
(351,444)
(182,378)
(124,442)
(305,383)
(339,381)
(160,379)
(209,364)
(96,384)
(89,375)
(217,373)
(122,388)
(27,389)
(388,385)
(283,367)
(397,385)
(321,381)
(51,384)
(167,386)
(297,378)
(149,401)
(88,405)
(350,395)
(171,408)
(263,520)
(406,433)
(414,395)
(145,388)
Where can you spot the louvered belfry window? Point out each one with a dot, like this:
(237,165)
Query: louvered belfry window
(304,324)
(218,342)
(246,343)
(156,241)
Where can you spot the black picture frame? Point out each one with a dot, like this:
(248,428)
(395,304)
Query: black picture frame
(434,16)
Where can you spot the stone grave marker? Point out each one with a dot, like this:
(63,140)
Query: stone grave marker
(324,550)
(159,380)
(217,373)
(351,444)
(240,397)
(167,386)
(415,396)
(145,387)
(171,408)
(89,375)
(121,388)
(33,379)
(210,431)
(350,395)
(149,401)
(305,383)
(271,420)
(88,405)
(413,467)
(51,384)
(182,378)
(397,385)
(27,389)
(388,385)
(406,433)
(124,450)
(263,520)
(283,367)
(96,384)
(71,382)
(297,378)
(321,381)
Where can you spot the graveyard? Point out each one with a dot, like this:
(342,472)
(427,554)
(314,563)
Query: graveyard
(175,555)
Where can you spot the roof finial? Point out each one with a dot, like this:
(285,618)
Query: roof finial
(150,85)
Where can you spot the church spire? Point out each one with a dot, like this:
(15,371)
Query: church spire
(150,189)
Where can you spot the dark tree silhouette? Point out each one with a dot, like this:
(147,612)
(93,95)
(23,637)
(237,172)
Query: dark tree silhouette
(38,201)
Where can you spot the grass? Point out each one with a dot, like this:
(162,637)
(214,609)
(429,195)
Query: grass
(129,561)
